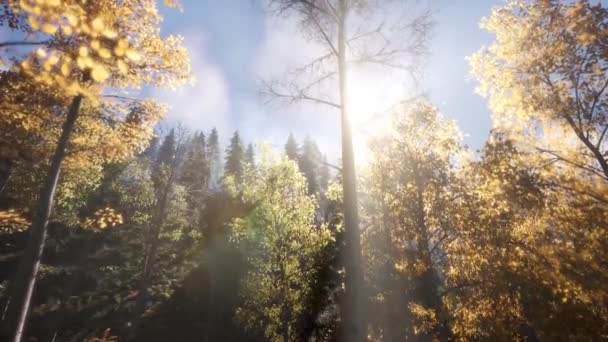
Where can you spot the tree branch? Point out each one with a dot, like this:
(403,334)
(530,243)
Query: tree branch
(16,43)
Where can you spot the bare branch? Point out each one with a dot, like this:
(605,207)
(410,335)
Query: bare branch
(573,163)
(24,43)
(299,95)
(328,41)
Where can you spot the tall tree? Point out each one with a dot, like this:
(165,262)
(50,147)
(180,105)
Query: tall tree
(86,47)
(281,240)
(235,157)
(309,162)
(291,148)
(411,187)
(324,175)
(165,172)
(545,77)
(214,157)
(349,34)
(250,154)
(195,172)
(543,173)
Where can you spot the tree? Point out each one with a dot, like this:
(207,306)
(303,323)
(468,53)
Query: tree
(280,240)
(213,154)
(309,162)
(250,154)
(411,186)
(330,24)
(291,148)
(324,175)
(543,175)
(235,157)
(86,48)
(545,79)
(195,173)
(165,172)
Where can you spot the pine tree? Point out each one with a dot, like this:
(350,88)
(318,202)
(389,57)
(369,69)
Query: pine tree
(309,161)
(152,149)
(195,173)
(323,174)
(235,156)
(214,158)
(166,151)
(250,154)
(291,148)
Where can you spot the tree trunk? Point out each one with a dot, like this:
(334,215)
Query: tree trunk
(353,326)
(150,254)
(24,282)
(6,168)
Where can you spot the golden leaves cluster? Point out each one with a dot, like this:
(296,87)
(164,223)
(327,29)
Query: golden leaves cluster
(103,219)
(12,221)
(100,42)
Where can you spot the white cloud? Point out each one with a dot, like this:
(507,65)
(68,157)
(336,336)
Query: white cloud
(205,104)
(282,48)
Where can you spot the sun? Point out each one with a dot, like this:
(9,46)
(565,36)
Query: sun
(370,95)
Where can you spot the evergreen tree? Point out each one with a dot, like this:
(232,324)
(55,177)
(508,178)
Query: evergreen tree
(323,174)
(195,173)
(214,158)
(235,156)
(166,151)
(152,149)
(309,161)
(250,154)
(291,148)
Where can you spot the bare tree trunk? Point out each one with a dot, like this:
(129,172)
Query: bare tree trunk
(353,326)
(22,288)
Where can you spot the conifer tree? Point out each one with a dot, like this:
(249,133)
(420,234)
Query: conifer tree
(214,158)
(250,154)
(309,162)
(195,173)
(235,157)
(291,148)
(324,174)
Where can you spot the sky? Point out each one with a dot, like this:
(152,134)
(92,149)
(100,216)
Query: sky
(234,44)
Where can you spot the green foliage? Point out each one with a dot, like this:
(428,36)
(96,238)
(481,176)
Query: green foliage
(280,239)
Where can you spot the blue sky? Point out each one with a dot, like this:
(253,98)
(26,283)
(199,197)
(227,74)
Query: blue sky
(234,43)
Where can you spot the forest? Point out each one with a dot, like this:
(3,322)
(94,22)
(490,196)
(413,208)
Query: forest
(117,224)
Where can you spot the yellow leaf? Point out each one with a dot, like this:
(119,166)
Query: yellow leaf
(84,62)
(122,66)
(49,28)
(83,51)
(67,29)
(65,69)
(72,19)
(109,33)
(118,51)
(53,60)
(133,55)
(95,44)
(34,23)
(97,24)
(104,53)
(41,53)
(99,73)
